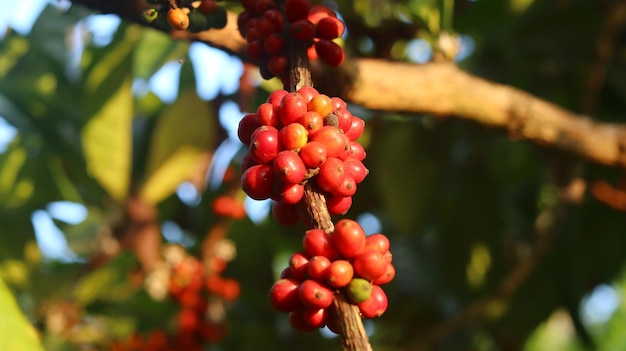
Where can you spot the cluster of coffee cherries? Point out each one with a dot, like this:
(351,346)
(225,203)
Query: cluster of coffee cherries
(344,261)
(265,27)
(193,16)
(300,137)
(202,293)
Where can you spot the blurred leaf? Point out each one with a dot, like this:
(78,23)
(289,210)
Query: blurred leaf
(109,281)
(16,333)
(107,143)
(154,49)
(182,133)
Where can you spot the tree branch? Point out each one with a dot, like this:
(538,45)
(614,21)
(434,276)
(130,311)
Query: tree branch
(445,90)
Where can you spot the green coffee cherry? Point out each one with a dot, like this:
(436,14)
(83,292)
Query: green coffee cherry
(150,15)
(359,290)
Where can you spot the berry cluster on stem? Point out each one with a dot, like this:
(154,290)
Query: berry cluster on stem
(193,16)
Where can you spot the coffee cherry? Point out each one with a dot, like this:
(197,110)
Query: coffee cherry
(267,114)
(315,317)
(298,322)
(276,97)
(340,273)
(274,43)
(344,119)
(318,267)
(296,9)
(329,52)
(369,264)
(263,6)
(308,93)
(376,305)
(312,121)
(284,295)
(338,205)
(377,242)
(336,143)
(293,136)
(357,151)
(355,169)
(285,214)
(313,154)
(321,104)
(264,145)
(317,12)
(277,19)
(289,167)
(318,243)
(346,189)
(303,30)
(331,174)
(330,28)
(298,263)
(387,277)
(314,294)
(291,194)
(356,129)
(292,108)
(359,290)
(278,64)
(207,6)
(177,18)
(349,238)
(255,50)
(257,181)
(150,15)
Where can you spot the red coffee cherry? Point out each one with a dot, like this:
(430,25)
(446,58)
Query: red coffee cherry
(355,169)
(258,181)
(291,194)
(356,129)
(387,277)
(267,114)
(284,295)
(330,28)
(296,9)
(303,30)
(318,243)
(274,43)
(338,103)
(312,121)
(346,189)
(177,18)
(317,12)
(329,52)
(298,322)
(338,205)
(262,6)
(292,108)
(318,267)
(321,104)
(277,64)
(344,119)
(314,294)
(248,124)
(349,238)
(313,154)
(357,151)
(207,6)
(370,265)
(298,263)
(331,174)
(308,93)
(276,97)
(377,242)
(285,214)
(336,143)
(264,145)
(376,305)
(255,50)
(277,19)
(340,273)
(315,317)
(289,167)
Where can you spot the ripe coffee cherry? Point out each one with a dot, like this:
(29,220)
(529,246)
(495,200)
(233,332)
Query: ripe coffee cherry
(277,19)
(293,136)
(331,174)
(337,144)
(338,205)
(318,267)
(296,9)
(338,103)
(359,290)
(314,294)
(357,151)
(257,181)
(355,169)
(340,273)
(376,305)
(318,243)
(349,238)
(313,154)
(303,30)
(263,6)
(177,18)
(292,108)
(346,189)
(315,317)
(267,114)
(274,43)
(277,64)
(264,145)
(207,6)
(377,242)
(284,295)
(387,277)
(264,26)
(248,124)
(285,214)
(321,104)
(298,263)
(329,52)
(330,28)
(298,321)
(289,167)
(308,93)
(356,129)
(344,119)
(255,50)
(276,97)
(312,121)
(291,194)
(369,264)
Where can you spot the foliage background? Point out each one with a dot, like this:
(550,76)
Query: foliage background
(491,254)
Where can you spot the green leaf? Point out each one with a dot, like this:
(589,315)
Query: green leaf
(16,333)
(106,140)
(153,50)
(179,137)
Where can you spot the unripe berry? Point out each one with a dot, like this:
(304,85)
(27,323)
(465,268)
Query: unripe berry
(177,18)
(359,290)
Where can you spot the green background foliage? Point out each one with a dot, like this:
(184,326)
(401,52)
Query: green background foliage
(488,254)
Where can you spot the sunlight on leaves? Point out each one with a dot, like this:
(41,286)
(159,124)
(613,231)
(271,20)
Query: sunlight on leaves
(106,140)
(16,333)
